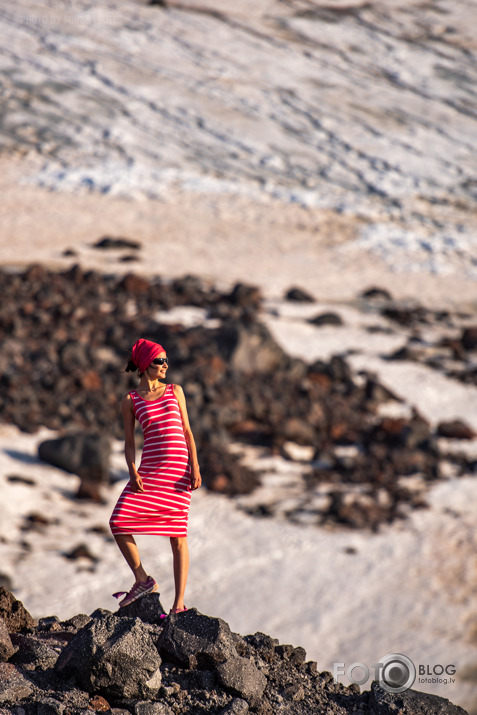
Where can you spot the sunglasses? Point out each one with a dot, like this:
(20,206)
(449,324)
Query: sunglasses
(160,361)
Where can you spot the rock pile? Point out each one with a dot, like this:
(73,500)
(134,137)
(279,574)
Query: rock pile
(132,661)
(64,341)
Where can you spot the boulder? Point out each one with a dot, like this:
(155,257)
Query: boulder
(326,319)
(241,677)
(14,613)
(249,348)
(192,639)
(86,454)
(469,338)
(299,295)
(113,657)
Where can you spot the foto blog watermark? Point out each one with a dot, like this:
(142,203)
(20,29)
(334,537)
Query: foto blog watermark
(395,673)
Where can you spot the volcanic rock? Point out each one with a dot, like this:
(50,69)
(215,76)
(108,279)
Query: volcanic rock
(195,640)
(13,685)
(242,678)
(113,657)
(6,646)
(14,613)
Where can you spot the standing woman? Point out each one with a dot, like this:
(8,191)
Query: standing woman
(157,498)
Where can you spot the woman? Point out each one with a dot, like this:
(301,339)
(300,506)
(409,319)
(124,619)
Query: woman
(157,498)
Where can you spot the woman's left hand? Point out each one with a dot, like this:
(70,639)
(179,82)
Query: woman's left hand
(195,479)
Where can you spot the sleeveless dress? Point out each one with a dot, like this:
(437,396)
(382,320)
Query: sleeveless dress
(163,507)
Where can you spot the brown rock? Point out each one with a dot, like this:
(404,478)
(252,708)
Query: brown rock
(13,686)
(455,429)
(14,613)
(6,646)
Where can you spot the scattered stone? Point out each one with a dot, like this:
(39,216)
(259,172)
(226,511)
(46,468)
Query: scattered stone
(99,704)
(76,622)
(82,551)
(148,708)
(326,319)
(299,295)
(49,623)
(455,429)
(376,293)
(14,613)
(107,243)
(238,706)
(19,479)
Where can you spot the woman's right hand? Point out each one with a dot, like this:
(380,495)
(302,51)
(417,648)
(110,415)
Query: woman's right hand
(136,483)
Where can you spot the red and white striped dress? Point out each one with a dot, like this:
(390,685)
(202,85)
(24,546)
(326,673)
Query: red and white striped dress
(165,471)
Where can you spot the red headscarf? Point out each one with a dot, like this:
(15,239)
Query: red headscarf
(144,352)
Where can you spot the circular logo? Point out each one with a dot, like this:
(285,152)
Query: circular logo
(397,674)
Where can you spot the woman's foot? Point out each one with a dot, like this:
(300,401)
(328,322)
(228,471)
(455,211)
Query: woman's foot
(173,610)
(139,589)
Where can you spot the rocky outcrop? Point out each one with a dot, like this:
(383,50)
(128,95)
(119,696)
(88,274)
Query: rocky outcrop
(186,664)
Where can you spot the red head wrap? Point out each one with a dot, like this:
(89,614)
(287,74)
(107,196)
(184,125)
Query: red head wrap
(144,352)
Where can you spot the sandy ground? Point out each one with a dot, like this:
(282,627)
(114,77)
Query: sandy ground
(223,238)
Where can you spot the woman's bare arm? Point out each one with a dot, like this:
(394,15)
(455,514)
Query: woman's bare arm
(196,479)
(130,444)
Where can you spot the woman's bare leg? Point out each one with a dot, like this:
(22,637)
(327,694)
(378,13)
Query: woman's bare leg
(180,552)
(129,550)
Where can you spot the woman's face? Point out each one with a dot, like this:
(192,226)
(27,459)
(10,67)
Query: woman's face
(157,372)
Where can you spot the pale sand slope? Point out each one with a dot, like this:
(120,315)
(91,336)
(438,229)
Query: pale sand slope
(223,238)
(296,583)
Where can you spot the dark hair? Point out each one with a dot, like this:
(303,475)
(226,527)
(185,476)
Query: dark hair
(131,366)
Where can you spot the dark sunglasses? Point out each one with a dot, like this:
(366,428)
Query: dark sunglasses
(160,361)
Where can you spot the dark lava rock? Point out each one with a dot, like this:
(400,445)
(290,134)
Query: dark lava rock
(410,702)
(107,243)
(82,551)
(148,608)
(6,646)
(469,338)
(33,650)
(195,640)
(299,295)
(375,292)
(113,657)
(14,613)
(455,429)
(242,678)
(326,319)
(85,454)
(14,686)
